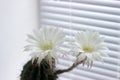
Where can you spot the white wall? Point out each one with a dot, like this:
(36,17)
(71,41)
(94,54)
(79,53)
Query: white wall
(17,18)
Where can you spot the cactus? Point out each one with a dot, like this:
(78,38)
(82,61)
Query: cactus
(35,71)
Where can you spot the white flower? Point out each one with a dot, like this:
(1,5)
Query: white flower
(90,45)
(45,43)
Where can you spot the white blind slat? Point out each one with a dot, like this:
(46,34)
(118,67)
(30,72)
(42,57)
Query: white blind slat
(98,15)
(86,7)
(109,3)
(82,13)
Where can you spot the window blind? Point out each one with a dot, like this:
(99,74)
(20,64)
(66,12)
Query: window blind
(97,15)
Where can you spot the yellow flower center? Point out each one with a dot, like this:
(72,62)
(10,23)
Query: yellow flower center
(88,49)
(46,46)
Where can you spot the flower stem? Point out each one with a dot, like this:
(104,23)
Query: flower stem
(70,68)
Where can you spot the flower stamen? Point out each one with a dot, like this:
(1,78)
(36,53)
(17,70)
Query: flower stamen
(46,46)
(88,49)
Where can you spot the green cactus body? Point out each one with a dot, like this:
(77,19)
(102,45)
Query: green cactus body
(33,71)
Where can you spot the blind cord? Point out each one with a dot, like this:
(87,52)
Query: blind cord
(70,22)
(70,13)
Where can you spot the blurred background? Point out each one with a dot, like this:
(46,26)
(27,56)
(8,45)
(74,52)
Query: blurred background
(19,17)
